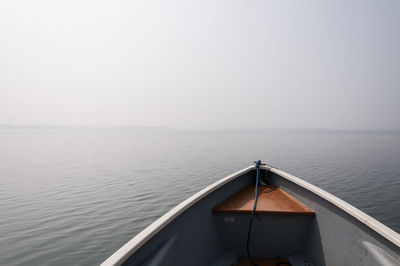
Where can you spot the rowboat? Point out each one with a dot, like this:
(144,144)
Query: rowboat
(262,216)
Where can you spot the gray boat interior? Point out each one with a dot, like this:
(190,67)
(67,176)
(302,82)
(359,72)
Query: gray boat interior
(199,236)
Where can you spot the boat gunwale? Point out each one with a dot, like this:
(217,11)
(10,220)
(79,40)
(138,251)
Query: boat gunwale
(123,253)
(140,239)
(389,234)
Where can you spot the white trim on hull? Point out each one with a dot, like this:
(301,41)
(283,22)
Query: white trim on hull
(135,243)
(140,239)
(375,225)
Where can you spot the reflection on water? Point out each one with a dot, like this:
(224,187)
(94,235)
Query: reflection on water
(76,197)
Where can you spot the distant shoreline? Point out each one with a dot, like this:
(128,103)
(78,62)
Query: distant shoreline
(7,127)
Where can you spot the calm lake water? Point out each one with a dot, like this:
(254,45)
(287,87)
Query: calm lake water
(73,198)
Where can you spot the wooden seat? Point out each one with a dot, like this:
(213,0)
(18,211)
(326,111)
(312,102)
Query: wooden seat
(271,200)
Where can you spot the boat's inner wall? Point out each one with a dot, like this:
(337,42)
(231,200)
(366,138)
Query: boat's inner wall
(336,238)
(272,235)
(193,237)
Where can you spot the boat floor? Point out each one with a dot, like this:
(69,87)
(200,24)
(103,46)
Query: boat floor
(231,259)
(262,262)
(270,200)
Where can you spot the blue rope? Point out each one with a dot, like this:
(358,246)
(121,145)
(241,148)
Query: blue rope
(258,163)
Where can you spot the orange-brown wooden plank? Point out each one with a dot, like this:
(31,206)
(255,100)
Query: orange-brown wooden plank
(261,262)
(270,200)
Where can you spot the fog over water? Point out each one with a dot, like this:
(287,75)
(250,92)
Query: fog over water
(113,112)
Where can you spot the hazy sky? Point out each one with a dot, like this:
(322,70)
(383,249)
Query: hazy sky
(201,64)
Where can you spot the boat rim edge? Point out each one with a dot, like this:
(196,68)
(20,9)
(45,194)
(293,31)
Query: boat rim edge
(389,234)
(140,239)
(119,256)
